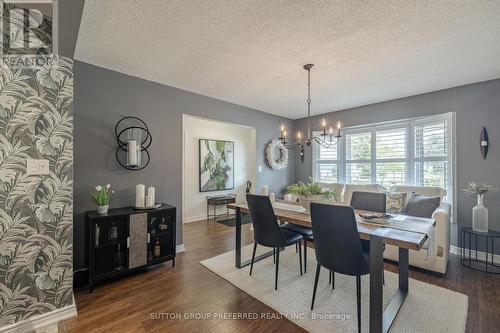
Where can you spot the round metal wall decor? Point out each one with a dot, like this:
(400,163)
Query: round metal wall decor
(133,139)
(277,155)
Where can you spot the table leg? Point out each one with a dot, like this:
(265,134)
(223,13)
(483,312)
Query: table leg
(487,254)
(376,287)
(476,247)
(237,251)
(238,237)
(404,268)
(380,319)
(470,246)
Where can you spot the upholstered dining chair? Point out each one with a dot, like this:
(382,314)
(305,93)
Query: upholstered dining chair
(305,232)
(370,201)
(338,246)
(267,232)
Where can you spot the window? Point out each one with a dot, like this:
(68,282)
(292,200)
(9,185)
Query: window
(410,152)
(391,152)
(327,168)
(358,156)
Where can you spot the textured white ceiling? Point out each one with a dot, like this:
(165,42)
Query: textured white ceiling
(252,52)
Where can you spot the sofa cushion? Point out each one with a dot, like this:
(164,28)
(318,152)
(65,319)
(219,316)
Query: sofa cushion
(350,188)
(419,205)
(430,191)
(395,201)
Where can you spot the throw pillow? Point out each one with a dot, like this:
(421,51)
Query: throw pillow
(419,205)
(395,202)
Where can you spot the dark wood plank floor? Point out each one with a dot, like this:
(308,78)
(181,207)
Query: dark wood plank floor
(128,304)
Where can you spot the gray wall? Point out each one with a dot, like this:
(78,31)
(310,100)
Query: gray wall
(70,14)
(475,105)
(102,97)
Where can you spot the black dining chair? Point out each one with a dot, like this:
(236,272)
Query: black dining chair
(267,231)
(373,202)
(370,201)
(305,232)
(338,246)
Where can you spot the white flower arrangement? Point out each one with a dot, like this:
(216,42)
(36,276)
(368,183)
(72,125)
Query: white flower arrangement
(102,194)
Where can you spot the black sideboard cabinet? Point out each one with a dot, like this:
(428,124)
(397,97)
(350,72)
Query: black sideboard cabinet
(125,239)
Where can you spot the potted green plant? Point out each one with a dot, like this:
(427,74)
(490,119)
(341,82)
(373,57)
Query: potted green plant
(312,192)
(101,195)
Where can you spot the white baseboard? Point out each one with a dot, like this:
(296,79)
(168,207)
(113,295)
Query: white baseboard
(480,254)
(180,248)
(194,219)
(43,320)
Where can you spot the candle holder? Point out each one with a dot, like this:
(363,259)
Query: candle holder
(133,139)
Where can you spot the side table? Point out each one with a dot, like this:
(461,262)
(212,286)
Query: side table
(474,241)
(219,200)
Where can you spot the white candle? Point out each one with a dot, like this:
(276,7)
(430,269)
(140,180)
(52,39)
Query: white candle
(139,195)
(151,192)
(139,155)
(132,153)
(149,201)
(272,197)
(264,190)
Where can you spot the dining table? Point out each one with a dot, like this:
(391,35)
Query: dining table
(380,319)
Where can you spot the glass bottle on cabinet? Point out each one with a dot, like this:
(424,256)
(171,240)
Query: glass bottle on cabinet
(113,232)
(118,258)
(157,249)
(163,225)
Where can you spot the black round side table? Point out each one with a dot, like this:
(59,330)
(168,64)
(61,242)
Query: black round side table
(472,244)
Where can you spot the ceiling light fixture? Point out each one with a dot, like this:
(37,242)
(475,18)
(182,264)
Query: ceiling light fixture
(327,139)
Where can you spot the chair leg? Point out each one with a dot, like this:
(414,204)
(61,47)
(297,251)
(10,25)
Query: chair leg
(383,277)
(274,255)
(300,257)
(318,268)
(305,255)
(296,247)
(358,300)
(253,256)
(277,265)
(333,279)
(330,277)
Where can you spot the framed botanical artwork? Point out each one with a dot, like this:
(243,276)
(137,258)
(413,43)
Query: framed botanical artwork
(216,165)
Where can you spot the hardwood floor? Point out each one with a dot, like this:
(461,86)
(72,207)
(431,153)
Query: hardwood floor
(130,304)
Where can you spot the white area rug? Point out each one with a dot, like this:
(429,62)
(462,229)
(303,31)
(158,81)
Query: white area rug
(428,308)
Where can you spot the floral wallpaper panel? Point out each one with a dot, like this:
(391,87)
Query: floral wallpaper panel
(36,212)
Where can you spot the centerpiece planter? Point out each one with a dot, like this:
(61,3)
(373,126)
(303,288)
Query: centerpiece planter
(306,201)
(311,192)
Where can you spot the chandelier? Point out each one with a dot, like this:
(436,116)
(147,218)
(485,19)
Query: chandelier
(326,139)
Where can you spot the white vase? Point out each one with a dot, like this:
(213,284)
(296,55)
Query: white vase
(102,209)
(480,216)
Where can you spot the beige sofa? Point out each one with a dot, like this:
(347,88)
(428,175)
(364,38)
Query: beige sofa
(439,261)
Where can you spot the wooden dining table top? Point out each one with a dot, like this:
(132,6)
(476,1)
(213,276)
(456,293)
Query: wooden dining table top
(401,238)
